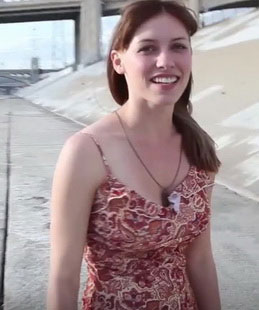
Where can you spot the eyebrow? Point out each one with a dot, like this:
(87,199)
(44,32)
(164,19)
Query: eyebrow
(173,40)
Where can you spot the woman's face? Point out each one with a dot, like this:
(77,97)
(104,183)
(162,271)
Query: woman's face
(157,63)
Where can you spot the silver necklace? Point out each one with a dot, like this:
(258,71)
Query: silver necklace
(165,190)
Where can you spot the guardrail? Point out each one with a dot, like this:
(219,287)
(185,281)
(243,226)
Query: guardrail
(24,77)
(8,83)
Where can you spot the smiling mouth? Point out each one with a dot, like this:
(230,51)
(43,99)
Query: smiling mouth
(165,80)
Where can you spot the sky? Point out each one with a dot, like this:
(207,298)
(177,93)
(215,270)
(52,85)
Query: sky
(53,41)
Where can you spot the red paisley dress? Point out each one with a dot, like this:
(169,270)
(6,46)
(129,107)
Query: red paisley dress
(135,247)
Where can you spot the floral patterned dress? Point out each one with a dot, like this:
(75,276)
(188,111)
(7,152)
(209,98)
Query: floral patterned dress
(135,247)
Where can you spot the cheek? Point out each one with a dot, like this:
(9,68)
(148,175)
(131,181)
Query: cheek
(187,63)
(137,70)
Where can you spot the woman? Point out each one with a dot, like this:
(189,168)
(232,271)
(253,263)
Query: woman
(131,192)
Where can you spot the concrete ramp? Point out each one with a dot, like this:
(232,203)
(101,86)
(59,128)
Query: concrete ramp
(226,98)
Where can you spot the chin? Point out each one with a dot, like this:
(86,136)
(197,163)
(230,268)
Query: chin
(165,100)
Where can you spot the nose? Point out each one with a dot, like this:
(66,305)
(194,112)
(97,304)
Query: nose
(165,60)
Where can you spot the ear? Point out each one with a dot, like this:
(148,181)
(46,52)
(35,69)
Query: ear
(116,59)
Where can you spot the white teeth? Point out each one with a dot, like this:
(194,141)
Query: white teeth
(165,80)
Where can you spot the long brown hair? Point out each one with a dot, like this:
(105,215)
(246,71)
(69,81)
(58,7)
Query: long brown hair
(198,145)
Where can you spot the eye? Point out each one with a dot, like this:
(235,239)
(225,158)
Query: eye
(179,46)
(147,49)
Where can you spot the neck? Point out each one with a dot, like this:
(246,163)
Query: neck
(149,124)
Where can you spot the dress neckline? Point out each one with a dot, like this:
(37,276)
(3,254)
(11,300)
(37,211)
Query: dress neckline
(110,178)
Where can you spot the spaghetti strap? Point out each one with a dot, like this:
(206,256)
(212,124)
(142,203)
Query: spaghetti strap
(100,151)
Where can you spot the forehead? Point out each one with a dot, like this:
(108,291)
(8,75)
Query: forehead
(159,27)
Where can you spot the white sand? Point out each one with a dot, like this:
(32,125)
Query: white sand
(225,96)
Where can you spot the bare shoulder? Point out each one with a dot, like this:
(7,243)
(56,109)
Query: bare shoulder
(79,145)
(80,156)
(81,152)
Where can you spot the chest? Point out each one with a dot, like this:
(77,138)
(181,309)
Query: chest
(147,170)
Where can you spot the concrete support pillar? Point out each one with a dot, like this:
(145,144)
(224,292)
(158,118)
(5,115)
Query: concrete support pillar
(90,31)
(77,42)
(35,75)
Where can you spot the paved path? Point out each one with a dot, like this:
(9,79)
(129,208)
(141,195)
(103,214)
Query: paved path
(31,139)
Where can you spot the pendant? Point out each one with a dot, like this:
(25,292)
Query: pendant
(164,198)
(175,201)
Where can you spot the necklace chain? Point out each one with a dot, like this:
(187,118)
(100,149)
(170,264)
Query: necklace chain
(150,174)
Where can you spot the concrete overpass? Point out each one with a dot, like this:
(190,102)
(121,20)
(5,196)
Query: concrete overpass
(86,14)
(209,5)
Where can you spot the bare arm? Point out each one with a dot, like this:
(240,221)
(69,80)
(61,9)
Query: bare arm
(72,195)
(202,271)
